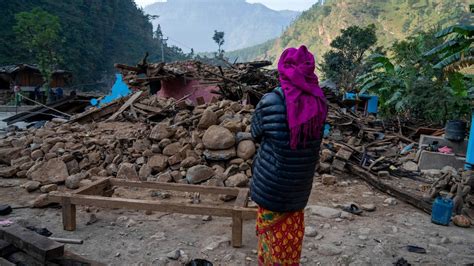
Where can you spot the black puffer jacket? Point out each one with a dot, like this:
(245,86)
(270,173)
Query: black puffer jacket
(282,177)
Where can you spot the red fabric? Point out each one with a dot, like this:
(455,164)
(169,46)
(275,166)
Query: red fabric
(280,237)
(305,102)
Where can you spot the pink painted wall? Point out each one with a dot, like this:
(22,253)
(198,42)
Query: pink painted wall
(179,87)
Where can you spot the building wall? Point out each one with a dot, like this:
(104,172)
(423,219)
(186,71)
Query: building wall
(178,88)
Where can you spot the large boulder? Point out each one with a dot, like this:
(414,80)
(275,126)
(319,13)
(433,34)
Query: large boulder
(220,155)
(209,118)
(127,171)
(246,149)
(158,162)
(218,138)
(199,173)
(53,171)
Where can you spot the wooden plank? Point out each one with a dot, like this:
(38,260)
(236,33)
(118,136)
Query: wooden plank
(149,108)
(400,194)
(175,187)
(237,218)
(95,188)
(127,104)
(151,205)
(35,245)
(69,214)
(97,113)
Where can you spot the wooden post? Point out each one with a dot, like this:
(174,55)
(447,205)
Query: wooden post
(237,218)
(237,229)
(69,214)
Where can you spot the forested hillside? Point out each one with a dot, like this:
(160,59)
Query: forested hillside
(95,34)
(394,20)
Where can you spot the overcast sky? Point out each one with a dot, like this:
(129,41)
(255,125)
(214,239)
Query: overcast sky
(298,5)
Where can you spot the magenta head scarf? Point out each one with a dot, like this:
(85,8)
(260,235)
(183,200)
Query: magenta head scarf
(305,102)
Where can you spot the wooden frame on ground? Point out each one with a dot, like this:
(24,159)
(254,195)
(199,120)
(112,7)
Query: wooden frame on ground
(98,194)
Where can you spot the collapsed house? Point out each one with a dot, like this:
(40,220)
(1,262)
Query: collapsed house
(205,141)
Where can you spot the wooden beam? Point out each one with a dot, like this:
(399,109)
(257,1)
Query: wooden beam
(151,205)
(97,113)
(126,67)
(237,218)
(129,102)
(149,108)
(95,188)
(35,245)
(400,194)
(176,187)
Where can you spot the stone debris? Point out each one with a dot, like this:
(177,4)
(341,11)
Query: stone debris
(322,211)
(310,231)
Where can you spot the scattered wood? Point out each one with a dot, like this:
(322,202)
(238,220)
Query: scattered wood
(127,104)
(396,192)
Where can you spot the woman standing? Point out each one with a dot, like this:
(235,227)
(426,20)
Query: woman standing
(288,123)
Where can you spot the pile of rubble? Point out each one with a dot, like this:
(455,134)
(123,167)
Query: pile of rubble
(458,186)
(208,144)
(235,82)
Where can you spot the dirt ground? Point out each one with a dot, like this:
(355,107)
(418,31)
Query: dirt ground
(127,237)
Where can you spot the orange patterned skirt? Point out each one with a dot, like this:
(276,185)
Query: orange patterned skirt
(280,237)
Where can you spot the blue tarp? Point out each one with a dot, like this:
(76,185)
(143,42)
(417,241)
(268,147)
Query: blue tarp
(119,90)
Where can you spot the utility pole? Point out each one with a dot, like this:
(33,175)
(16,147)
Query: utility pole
(162,49)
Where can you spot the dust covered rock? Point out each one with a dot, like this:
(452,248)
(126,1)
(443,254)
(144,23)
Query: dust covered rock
(127,171)
(218,138)
(246,149)
(52,172)
(199,173)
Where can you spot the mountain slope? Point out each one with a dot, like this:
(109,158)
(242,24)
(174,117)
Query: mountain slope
(394,19)
(192,22)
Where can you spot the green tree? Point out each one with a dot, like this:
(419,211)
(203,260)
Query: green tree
(456,52)
(409,85)
(345,61)
(219,39)
(39,33)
